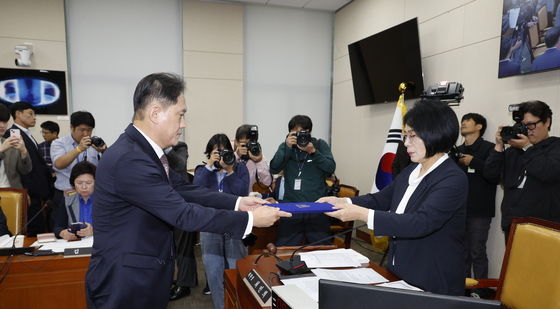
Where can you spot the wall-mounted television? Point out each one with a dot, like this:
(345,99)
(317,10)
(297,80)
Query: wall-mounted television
(44,90)
(380,62)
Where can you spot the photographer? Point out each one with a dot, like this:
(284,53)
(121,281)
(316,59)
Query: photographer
(530,167)
(69,150)
(481,200)
(224,174)
(306,162)
(259,171)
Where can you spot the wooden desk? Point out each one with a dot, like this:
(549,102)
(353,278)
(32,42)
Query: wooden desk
(44,282)
(238,296)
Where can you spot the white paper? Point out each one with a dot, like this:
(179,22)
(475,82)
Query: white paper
(400,285)
(309,285)
(6,241)
(356,275)
(60,244)
(333,258)
(295,297)
(513,15)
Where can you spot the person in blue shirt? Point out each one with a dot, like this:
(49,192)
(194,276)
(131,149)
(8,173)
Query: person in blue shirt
(550,59)
(220,251)
(76,205)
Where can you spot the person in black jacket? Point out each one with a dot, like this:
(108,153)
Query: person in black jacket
(481,200)
(530,174)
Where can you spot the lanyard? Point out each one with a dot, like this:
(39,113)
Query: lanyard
(300,164)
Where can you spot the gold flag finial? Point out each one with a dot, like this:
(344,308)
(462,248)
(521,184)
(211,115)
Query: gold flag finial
(402,87)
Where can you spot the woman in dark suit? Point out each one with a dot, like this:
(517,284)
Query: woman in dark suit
(423,209)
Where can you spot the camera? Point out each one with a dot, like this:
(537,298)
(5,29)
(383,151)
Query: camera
(511,132)
(252,146)
(227,156)
(455,154)
(23,53)
(97,141)
(303,138)
(447,92)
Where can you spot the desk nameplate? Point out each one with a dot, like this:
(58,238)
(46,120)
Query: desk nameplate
(257,286)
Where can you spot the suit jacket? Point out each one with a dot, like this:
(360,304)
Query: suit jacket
(427,239)
(135,209)
(62,214)
(14,165)
(38,182)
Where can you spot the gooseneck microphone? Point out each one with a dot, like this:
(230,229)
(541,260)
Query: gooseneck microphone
(269,251)
(295,266)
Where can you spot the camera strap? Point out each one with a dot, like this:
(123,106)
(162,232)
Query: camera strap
(301,163)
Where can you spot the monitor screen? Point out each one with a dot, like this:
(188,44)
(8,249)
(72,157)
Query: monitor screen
(44,90)
(335,294)
(379,63)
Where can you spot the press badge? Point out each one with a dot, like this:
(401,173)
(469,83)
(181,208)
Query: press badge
(297,184)
(471,170)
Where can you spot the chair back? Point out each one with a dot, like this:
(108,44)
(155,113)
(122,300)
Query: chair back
(531,269)
(14,205)
(339,226)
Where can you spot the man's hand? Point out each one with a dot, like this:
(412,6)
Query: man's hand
(250,203)
(241,150)
(85,143)
(519,142)
(332,200)
(87,231)
(349,212)
(499,141)
(100,149)
(291,139)
(309,148)
(265,216)
(466,159)
(256,159)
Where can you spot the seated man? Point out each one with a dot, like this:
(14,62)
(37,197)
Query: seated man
(306,162)
(76,206)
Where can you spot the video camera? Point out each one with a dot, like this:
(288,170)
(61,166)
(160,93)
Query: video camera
(447,92)
(511,132)
(252,145)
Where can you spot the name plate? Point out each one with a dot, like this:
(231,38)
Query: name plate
(77,252)
(258,288)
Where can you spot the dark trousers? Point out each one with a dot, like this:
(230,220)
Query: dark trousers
(475,246)
(186,262)
(303,229)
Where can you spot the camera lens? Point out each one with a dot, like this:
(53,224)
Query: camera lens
(303,138)
(228,157)
(254,148)
(97,141)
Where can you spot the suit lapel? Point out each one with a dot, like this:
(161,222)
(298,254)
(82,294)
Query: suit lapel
(136,136)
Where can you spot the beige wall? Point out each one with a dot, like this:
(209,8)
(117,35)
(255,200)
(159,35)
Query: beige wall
(42,24)
(213,69)
(459,42)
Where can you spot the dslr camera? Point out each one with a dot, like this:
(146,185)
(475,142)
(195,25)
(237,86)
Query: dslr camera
(511,132)
(252,146)
(97,141)
(455,154)
(227,156)
(303,138)
(447,92)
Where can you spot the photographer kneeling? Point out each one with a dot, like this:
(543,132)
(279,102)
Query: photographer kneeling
(72,218)
(529,168)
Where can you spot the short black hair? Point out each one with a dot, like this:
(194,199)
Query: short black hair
(243,131)
(478,119)
(50,126)
(435,123)
(84,167)
(4,113)
(538,109)
(221,140)
(300,120)
(163,87)
(19,106)
(82,117)
(551,36)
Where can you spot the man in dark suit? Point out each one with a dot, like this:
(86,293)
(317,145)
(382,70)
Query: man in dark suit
(38,182)
(139,200)
(550,59)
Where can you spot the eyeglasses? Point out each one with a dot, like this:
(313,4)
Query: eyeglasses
(532,125)
(410,137)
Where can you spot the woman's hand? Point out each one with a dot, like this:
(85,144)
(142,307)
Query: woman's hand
(87,231)
(332,200)
(65,234)
(349,212)
(10,142)
(214,157)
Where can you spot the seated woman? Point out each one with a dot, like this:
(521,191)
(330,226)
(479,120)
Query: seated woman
(220,251)
(424,208)
(76,207)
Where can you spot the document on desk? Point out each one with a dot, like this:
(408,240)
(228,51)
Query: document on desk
(308,284)
(401,284)
(356,275)
(333,258)
(295,297)
(60,244)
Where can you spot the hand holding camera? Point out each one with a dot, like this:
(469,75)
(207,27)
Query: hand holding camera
(92,141)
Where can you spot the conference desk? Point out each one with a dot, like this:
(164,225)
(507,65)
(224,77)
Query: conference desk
(44,282)
(237,294)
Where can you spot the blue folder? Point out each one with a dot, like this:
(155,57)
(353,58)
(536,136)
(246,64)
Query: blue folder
(304,208)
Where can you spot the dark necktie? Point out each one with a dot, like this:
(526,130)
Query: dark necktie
(165,163)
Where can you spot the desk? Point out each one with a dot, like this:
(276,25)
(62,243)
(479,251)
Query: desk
(44,282)
(238,296)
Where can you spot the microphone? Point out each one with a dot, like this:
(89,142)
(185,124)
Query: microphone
(295,266)
(25,227)
(270,250)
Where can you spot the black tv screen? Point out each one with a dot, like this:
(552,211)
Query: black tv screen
(380,62)
(44,90)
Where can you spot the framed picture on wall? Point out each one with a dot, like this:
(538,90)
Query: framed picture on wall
(529,37)
(44,90)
